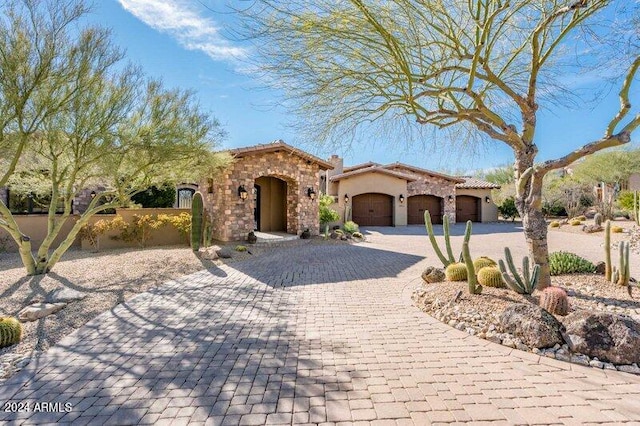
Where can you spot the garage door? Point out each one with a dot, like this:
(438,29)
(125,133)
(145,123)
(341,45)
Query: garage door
(418,204)
(467,208)
(373,210)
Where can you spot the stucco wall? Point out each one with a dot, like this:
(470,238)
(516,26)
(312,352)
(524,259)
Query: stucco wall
(35,227)
(378,183)
(489,211)
(233,218)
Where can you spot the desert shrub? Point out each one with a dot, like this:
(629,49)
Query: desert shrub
(625,200)
(508,209)
(350,227)
(555,224)
(327,214)
(156,197)
(562,262)
(140,228)
(553,209)
(92,233)
(240,248)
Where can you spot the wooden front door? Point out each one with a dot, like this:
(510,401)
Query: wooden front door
(467,208)
(373,209)
(418,204)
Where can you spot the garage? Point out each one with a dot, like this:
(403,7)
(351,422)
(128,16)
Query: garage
(373,209)
(467,208)
(418,204)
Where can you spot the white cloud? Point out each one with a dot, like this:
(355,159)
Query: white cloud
(178,19)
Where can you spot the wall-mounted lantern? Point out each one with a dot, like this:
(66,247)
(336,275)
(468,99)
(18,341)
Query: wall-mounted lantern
(311,193)
(93,194)
(401,198)
(346,198)
(487,199)
(450,198)
(242,193)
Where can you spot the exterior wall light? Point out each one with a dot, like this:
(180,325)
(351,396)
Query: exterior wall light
(450,198)
(487,199)
(346,198)
(242,193)
(93,194)
(311,193)
(401,198)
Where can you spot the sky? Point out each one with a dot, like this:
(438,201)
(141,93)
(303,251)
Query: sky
(187,46)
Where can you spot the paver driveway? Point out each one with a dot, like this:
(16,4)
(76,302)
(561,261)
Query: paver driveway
(308,334)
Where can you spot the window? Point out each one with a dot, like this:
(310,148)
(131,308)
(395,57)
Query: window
(185,196)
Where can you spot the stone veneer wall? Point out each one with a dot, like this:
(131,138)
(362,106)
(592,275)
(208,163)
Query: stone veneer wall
(433,185)
(232,218)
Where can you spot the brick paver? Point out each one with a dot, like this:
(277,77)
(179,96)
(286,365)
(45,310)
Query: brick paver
(307,334)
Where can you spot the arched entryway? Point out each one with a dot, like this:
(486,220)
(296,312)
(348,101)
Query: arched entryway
(373,209)
(270,211)
(418,204)
(467,208)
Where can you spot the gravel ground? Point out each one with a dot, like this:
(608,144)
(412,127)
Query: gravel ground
(108,278)
(478,314)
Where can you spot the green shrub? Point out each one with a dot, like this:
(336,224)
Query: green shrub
(156,197)
(350,227)
(562,262)
(625,200)
(240,248)
(327,215)
(508,209)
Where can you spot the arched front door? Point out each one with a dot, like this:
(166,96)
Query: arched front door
(271,204)
(373,209)
(418,204)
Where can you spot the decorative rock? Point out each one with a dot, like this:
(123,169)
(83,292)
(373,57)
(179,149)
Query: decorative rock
(600,268)
(596,364)
(532,324)
(251,238)
(305,235)
(334,235)
(39,310)
(224,253)
(610,337)
(509,343)
(433,275)
(580,359)
(609,366)
(23,362)
(64,294)
(634,369)
(208,253)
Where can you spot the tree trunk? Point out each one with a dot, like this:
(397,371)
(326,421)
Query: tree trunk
(535,232)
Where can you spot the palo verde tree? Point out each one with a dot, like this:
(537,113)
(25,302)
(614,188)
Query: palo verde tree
(484,66)
(103,125)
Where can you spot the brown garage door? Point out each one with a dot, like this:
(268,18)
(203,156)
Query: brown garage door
(417,204)
(373,210)
(467,208)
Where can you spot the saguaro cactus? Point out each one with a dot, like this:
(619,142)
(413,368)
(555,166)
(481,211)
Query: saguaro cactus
(197,219)
(474,287)
(449,259)
(607,250)
(620,275)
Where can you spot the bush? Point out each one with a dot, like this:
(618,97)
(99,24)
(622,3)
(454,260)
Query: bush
(562,262)
(350,227)
(625,200)
(156,197)
(508,209)
(553,209)
(240,248)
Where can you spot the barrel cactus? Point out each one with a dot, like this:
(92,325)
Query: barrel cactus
(456,272)
(490,276)
(554,300)
(483,262)
(554,224)
(197,220)
(10,331)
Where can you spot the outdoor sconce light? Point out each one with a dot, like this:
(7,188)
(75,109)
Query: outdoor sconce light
(450,198)
(311,193)
(93,194)
(401,198)
(487,199)
(242,193)
(346,198)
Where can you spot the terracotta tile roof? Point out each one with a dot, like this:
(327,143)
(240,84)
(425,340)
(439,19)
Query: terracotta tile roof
(373,169)
(279,145)
(360,166)
(474,183)
(418,170)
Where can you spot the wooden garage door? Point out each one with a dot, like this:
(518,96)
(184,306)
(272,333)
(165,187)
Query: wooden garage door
(417,205)
(373,210)
(467,208)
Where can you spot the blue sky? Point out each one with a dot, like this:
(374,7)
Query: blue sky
(184,44)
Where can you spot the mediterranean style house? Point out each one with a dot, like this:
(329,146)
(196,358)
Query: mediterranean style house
(274,188)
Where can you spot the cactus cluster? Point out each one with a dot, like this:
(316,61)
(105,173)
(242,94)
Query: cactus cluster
(490,276)
(562,262)
(524,284)
(483,262)
(197,218)
(597,219)
(456,272)
(474,288)
(554,300)
(449,259)
(10,331)
(621,274)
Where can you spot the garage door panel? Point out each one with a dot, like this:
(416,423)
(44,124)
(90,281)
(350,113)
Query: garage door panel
(418,204)
(467,208)
(373,209)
